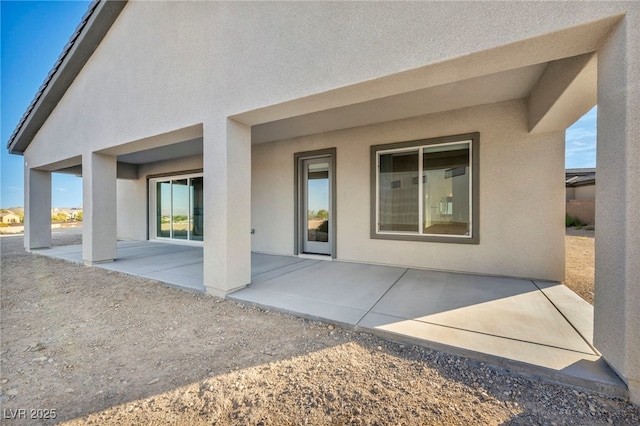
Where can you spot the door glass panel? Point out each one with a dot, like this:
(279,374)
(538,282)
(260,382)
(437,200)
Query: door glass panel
(163,209)
(180,205)
(197,214)
(318,202)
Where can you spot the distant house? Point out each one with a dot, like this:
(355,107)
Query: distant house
(59,213)
(9,217)
(581,194)
(69,213)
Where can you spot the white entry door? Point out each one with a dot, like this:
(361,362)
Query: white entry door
(316,205)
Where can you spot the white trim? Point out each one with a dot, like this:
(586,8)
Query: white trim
(153,221)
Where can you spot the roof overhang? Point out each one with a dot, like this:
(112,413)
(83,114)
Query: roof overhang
(95,24)
(554,73)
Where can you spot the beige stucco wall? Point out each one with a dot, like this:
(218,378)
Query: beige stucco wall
(581,193)
(617,272)
(132,195)
(204,61)
(585,192)
(510,164)
(570,193)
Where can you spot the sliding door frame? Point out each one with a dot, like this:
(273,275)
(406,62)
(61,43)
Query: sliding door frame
(152,204)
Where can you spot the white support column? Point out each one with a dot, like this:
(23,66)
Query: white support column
(617,280)
(37,208)
(227,206)
(99,208)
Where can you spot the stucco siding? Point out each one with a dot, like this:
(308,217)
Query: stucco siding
(585,192)
(521,209)
(201,60)
(132,195)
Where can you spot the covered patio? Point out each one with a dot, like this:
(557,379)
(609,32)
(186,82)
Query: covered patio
(536,328)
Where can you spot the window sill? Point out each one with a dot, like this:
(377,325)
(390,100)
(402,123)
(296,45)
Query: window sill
(426,238)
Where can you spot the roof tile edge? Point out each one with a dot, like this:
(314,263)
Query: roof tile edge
(112,8)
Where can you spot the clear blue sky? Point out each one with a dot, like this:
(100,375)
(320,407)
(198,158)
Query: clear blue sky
(33,35)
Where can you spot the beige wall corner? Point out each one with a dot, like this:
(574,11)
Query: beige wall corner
(565,92)
(617,276)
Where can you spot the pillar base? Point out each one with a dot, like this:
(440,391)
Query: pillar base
(634,391)
(222,293)
(96,262)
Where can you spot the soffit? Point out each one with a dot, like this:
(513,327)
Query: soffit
(487,89)
(167,152)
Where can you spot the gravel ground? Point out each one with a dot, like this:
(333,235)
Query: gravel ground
(99,347)
(580,260)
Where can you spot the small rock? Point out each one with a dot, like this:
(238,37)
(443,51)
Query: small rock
(4,381)
(40,359)
(35,347)
(69,390)
(331,327)
(12,392)
(156,380)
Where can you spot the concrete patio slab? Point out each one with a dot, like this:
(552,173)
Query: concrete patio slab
(513,323)
(587,371)
(72,253)
(576,310)
(176,265)
(335,291)
(351,285)
(501,307)
(186,276)
(302,307)
(263,263)
(164,261)
(534,328)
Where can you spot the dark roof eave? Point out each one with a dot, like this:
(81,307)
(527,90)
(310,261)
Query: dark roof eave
(95,24)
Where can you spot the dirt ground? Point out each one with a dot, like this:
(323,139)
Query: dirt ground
(89,346)
(580,259)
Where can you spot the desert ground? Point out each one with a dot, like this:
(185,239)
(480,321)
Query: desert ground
(88,346)
(580,260)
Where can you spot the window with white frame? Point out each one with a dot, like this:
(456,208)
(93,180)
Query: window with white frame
(426,190)
(176,207)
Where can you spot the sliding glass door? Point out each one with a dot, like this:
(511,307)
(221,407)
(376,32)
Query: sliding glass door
(178,205)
